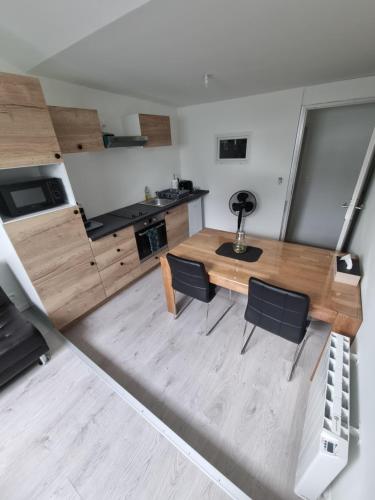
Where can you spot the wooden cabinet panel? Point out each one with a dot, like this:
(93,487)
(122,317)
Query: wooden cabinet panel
(51,243)
(27,137)
(177,221)
(69,294)
(118,275)
(57,256)
(114,247)
(157,128)
(21,90)
(77,129)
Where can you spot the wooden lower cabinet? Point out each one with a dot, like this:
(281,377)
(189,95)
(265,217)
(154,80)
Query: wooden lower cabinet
(119,274)
(114,247)
(70,294)
(57,256)
(177,222)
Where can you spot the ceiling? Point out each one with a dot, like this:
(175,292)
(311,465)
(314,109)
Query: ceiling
(160,50)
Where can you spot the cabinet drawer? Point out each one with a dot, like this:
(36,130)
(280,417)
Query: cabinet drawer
(49,244)
(70,294)
(117,275)
(27,137)
(112,240)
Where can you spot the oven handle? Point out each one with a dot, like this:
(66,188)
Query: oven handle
(162,224)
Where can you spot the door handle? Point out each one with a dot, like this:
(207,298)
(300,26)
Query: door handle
(358,207)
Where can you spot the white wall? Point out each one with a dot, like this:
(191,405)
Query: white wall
(114,178)
(272,120)
(358,480)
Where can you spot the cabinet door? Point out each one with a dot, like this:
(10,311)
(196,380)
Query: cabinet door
(27,137)
(77,129)
(57,256)
(21,90)
(70,294)
(177,221)
(157,128)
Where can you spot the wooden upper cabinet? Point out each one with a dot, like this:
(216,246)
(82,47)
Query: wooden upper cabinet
(27,136)
(77,129)
(156,127)
(56,254)
(21,91)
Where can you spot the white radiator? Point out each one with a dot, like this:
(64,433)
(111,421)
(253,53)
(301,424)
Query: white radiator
(325,439)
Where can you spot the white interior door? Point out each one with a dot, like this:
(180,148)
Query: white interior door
(354,203)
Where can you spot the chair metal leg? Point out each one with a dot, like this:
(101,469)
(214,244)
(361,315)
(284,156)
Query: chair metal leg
(243,350)
(296,357)
(185,306)
(218,321)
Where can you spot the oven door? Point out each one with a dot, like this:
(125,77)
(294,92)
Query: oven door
(151,239)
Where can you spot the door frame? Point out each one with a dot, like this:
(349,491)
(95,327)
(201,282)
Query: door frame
(298,148)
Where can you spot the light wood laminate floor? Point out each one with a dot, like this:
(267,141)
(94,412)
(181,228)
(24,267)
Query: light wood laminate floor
(64,434)
(239,412)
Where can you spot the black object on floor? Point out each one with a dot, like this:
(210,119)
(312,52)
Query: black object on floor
(252,254)
(21,344)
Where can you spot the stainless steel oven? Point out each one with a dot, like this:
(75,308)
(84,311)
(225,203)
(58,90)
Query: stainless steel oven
(151,236)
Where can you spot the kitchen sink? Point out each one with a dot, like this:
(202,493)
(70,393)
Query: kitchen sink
(157,202)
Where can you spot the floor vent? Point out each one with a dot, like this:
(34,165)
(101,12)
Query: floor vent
(325,439)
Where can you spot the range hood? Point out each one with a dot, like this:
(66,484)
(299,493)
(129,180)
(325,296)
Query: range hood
(124,141)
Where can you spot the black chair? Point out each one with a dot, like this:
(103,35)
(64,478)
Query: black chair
(279,311)
(21,344)
(190,278)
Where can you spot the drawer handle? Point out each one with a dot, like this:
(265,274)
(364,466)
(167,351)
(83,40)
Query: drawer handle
(119,249)
(79,146)
(76,212)
(92,263)
(114,235)
(121,263)
(57,155)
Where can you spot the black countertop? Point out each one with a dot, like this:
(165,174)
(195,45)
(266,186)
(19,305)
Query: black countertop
(115,220)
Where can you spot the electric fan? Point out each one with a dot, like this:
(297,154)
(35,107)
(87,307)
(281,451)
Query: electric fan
(242,204)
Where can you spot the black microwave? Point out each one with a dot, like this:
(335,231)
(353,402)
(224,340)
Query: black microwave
(27,197)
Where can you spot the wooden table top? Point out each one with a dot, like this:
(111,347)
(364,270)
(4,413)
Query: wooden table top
(297,267)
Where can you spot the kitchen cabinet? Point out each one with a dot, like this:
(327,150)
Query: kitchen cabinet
(77,130)
(27,136)
(116,255)
(156,127)
(177,222)
(56,254)
(21,90)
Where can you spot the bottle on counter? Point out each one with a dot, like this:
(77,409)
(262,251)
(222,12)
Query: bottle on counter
(175,182)
(148,194)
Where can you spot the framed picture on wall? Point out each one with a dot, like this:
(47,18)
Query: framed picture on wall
(233,148)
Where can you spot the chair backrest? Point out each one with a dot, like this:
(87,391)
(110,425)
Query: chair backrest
(190,278)
(277,310)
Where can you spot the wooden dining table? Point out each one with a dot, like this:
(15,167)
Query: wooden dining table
(296,267)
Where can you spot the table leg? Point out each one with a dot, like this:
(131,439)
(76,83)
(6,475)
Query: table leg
(167,281)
